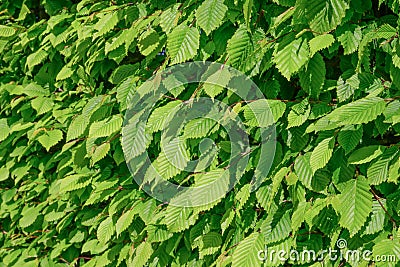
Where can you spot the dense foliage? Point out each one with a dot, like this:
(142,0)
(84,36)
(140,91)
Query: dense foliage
(330,70)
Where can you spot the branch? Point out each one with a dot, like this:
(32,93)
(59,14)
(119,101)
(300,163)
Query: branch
(383,207)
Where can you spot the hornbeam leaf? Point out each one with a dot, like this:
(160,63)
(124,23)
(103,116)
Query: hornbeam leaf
(365,154)
(378,171)
(169,18)
(183,43)
(247,8)
(106,23)
(36,58)
(148,42)
(105,128)
(42,104)
(325,15)
(313,78)
(322,154)
(4,129)
(358,112)
(377,220)
(290,56)
(355,204)
(100,152)
(320,42)
(143,253)
(239,47)
(349,137)
(105,230)
(350,40)
(6,31)
(50,138)
(210,15)
(263,112)
(245,254)
(125,221)
(303,169)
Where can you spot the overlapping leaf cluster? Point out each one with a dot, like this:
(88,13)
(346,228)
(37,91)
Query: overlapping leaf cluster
(330,70)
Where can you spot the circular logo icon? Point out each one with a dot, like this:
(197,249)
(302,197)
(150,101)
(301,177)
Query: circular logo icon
(185,147)
(341,243)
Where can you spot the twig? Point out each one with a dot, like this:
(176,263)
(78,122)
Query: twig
(383,207)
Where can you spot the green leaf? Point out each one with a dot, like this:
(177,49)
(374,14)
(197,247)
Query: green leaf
(245,254)
(122,72)
(276,21)
(378,171)
(4,129)
(377,220)
(394,171)
(106,23)
(29,216)
(105,230)
(365,154)
(350,40)
(169,18)
(322,154)
(325,15)
(4,173)
(320,42)
(125,221)
(50,138)
(360,111)
(125,38)
(298,114)
(298,215)
(210,15)
(215,83)
(210,243)
(143,253)
(263,112)
(303,169)
(346,88)
(243,195)
(42,104)
(239,47)
(247,8)
(77,127)
(100,152)
(316,207)
(276,228)
(200,127)
(290,56)
(349,137)
(105,128)
(136,139)
(355,204)
(182,43)
(297,138)
(65,73)
(148,42)
(313,78)
(36,58)
(385,31)
(6,31)
(173,158)
(178,218)
(158,118)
